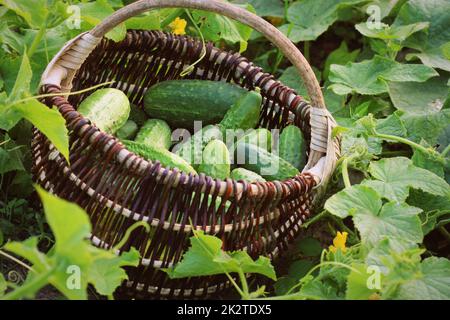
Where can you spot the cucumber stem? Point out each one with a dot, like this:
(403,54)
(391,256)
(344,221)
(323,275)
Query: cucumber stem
(36,41)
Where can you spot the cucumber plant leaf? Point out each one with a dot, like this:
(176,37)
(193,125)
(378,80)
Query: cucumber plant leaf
(393,32)
(357,288)
(340,56)
(393,177)
(437,14)
(413,280)
(92,13)
(206,257)
(49,121)
(392,220)
(426,127)
(419,98)
(311,18)
(72,251)
(371,77)
(374,220)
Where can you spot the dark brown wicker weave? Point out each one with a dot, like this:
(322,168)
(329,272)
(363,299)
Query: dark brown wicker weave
(117,188)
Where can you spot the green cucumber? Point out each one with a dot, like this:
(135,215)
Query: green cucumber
(164,156)
(192,149)
(266,164)
(138,115)
(246,175)
(260,137)
(216,160)
(181,102)
(155,132)
(292,146)
(244,114)
(108,109)
(127,131)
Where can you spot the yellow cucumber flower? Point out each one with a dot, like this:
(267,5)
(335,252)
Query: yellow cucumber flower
(339,242)
(178,26)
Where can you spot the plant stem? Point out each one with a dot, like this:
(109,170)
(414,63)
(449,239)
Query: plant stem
(343,227)
(3,253)
(171,17)
(345,175)
(36,41)
(316,218)
(410,143)
(446,150)
(244,284)
(306,50)
(38,283)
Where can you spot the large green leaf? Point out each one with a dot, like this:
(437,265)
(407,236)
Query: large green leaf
(394,176)
(34,12)
(266,8)
(419,98)
(437,13)
(426,127)
(373,220)
(341,56)
(106,272)
(92,13)
(393,220)
(311,18)
(393,32)
(370,77)
(381,255)
(10,116)
(428,280)
(72,251)
(49,121)
(357,288)
(354,200)
(216,27)
(205,257)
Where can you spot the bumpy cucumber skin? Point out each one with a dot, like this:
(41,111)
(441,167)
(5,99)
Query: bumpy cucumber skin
(127,131)
(138,115)
(192,149)
(181,102)
(216,160)
(244,114)
(246,175)
(155,132)
(164,156)
(292,146)
(108,109)
(266,164)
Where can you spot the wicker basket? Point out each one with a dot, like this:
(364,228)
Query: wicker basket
(118,188)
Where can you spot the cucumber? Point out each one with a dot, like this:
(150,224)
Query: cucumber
(127,131)
(260,137)
(138,115)
(292,146)
(155,132)
(216,160)
(266,164)
(164,156)
(244,114)
(181,102)
(192,149)
(108,109)
(246,175)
